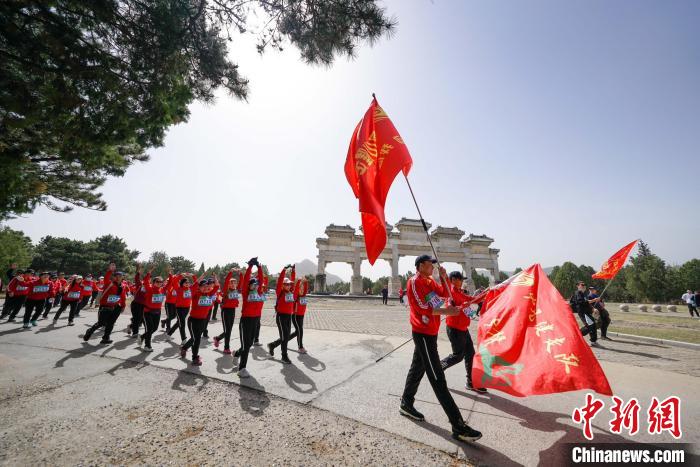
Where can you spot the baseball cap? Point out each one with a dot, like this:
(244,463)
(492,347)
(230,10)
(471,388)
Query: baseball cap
(424,258)
(456,275)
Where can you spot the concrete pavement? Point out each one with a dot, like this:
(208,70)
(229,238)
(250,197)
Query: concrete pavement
(339,375)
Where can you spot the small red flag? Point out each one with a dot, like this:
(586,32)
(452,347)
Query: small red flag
(529,342)
(375,156)
(612,266)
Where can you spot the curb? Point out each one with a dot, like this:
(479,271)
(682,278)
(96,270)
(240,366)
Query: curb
(687,345)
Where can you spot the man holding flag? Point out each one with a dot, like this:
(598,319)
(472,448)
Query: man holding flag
(376,155)
(426,306)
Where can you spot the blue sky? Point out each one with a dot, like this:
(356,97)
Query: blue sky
(562,129)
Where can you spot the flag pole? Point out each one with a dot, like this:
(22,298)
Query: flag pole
(425,228)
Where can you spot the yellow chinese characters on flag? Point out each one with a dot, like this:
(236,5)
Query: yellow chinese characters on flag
(529,342)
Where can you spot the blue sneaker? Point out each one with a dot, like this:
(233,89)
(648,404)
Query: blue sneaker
(34,323)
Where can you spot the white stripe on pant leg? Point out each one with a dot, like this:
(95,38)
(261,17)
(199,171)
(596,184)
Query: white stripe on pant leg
(279,327)
(425,344)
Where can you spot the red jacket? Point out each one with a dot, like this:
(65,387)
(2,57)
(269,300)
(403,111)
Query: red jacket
(184,293)
(17,288)
(62,284)
(39,291)
(285,301)
(253,300)
(88,287)
(111,294)
(231,297)
(424,295)
(460,321)
(154,297)
(301,288)
(73,292)
(171,293)
(140,292)
(202,303)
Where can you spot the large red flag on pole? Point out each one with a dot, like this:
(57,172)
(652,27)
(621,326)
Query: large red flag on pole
(529,342)
(375,156)
(612,266)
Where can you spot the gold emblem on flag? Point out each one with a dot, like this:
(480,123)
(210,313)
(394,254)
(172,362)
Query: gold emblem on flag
(533,313)
(366,155)
(379,114)
(524,279)
(386,149)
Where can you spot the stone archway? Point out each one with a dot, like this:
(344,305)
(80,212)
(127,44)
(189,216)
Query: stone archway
(406,238)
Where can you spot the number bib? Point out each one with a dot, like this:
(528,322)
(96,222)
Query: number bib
(289,297)
(233,295)
(113,299)
(173,293)
(41,288)
(205,301)
(302,300)
(434,300)
(158,298)
(187,294)
(21,288)
(255,297)
(87,289)
(73,294)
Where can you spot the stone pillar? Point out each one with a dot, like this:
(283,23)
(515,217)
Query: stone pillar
(320,280)
(320,283)
(467,271)
(356,279)
(495,271)
(395,279)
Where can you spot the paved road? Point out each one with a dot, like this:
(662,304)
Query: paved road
(52,374)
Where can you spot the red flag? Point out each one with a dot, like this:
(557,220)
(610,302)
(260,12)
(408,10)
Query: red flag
(375,156)
(529,342)
(612,266)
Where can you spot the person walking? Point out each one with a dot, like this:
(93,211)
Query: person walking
(203,298)
(582,306)
(111,303)
(599,306)
(426,306)
(251,310)
(231,295)
(689,299)
(284,308)
(385,295)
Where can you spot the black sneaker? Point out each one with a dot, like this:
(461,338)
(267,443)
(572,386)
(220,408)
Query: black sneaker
(286,360)
(88,333)
(464,432)
(606,338)
(470,387)
(162,323)
(271,350)
(106,341)
(410,412)
(237,353)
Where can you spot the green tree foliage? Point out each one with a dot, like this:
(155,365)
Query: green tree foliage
(646,279)
(339,288)
(181,264)
(480,281)
(201,270)
(88,86)
(367,284)
(502,276)
(15,247)
(159,261)
(75,256)
(689,275)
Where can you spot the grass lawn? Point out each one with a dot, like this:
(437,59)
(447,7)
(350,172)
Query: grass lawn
(666,325)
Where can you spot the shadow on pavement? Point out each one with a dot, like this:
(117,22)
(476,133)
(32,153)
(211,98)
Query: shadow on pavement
(295,378)
(311,363)
(191,377)
(252,397)
(78,352)
(226,364)
(640,354)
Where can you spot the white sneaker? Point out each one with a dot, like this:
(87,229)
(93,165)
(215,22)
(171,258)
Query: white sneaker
(148,349)
(595,344)
(243,373)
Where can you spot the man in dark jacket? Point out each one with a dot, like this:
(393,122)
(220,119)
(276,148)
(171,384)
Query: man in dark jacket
(604,315)
(582,306)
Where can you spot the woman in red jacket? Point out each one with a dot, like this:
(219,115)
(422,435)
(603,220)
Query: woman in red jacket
(203,298)
(170,301)
(112,302)
(231,294)
(252,295)
(39,291)
(301,288)
(284,306)
(70,299)
(153,302)
(85,293)
(183,284)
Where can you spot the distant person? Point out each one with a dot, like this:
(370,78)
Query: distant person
(385,295)
(697,300)
(604,315)
(581,305)
(690,299)
(402,294)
